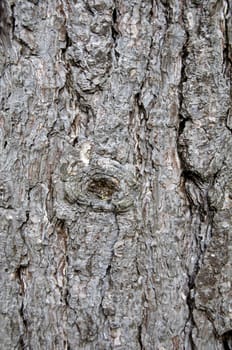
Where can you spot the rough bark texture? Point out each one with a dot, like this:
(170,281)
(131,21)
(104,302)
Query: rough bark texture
(115,175)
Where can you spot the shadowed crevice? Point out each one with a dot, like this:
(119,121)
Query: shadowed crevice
(227,340)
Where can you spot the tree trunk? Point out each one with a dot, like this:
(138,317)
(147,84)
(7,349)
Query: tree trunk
(116,175)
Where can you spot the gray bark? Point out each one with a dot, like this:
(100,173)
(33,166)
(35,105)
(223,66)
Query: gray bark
(115,175)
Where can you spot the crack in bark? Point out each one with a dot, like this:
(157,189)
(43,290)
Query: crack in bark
(23,340)
(183,79)
(144,123)
(20,271)
(140,337)
(196,192)
(227,340)
(68,43)
(226,120)
(108,270)
(191,306)
(13,19)
(206,213)
(203,243)
(227,49)
(114,31)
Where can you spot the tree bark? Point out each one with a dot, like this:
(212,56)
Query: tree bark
(115,175)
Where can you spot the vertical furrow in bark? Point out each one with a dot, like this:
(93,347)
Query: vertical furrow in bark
(160,174)
(204,156)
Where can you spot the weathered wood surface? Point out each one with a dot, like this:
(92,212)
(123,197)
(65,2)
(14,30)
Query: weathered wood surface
(115,175)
